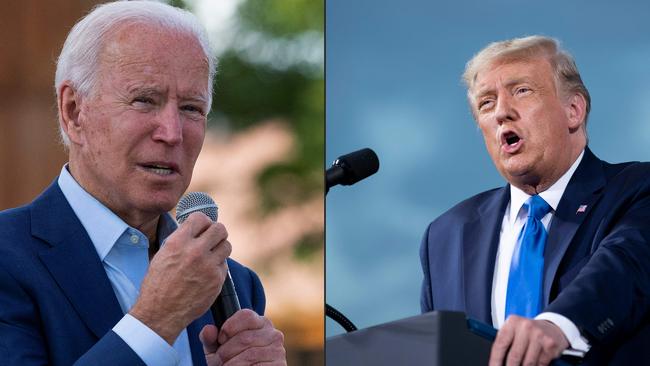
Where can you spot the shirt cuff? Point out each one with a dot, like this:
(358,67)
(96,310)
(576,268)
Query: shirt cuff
(579,344)
(146,343)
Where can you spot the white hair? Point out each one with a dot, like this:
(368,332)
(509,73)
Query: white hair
(81,53)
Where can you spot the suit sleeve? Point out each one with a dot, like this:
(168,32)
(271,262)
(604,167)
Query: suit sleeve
(21,341)
(110,350)
(426,300)
(610,297)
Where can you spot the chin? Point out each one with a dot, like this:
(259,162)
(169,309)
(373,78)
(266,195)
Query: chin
(161,202)
(517,172)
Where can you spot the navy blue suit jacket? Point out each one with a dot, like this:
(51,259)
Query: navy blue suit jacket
(597,262)
(57,306)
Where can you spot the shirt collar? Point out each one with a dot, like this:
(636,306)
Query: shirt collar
(552,195)
(102,225)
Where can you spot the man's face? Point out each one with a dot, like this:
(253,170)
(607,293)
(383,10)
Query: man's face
(143,127)
(530,131)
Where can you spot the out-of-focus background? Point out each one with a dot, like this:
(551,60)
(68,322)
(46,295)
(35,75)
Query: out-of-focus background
(262,158)
(393,84)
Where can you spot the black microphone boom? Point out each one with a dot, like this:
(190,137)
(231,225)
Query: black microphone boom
(351,168)
(227,303)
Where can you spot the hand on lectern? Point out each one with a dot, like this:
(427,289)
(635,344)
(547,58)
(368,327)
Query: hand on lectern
(524,341)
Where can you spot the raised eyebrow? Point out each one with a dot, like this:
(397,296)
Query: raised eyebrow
(143,90)
(482,94)
(509,84)
(195,99)
(519,81)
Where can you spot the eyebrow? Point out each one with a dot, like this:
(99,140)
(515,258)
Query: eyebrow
(151,90)
(142,89)
(508,84)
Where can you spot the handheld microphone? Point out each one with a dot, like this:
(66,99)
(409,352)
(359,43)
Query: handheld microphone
(227,303)
(351,168)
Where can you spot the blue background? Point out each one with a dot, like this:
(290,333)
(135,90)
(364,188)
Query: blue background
(393,72)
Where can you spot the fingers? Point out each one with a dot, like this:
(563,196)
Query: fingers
(501,344)
(195,224)
(244,319)
(275,355)
(519,346)
(208,236)
(523,341)
(208,337)
(534,352)
(249,338)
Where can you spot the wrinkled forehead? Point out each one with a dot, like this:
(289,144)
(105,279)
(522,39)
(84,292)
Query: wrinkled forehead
(508,70)
(148,51)
(145,40)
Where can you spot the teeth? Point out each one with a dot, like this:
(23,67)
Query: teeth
(158,169)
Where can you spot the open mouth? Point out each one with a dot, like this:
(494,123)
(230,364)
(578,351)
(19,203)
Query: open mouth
(511,138)
(159,169)
(510,142)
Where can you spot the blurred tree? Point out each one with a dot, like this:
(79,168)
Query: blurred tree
(273,70)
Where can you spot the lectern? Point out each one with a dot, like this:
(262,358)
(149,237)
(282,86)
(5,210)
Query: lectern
(438,338)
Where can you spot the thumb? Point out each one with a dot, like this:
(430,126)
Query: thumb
(208,337)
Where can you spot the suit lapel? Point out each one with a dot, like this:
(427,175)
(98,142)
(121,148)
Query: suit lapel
(479,253)
(581,194)
(73,261)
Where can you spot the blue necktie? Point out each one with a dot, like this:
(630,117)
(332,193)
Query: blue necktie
(524,295)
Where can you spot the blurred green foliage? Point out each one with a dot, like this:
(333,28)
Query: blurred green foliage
(257,80)
(282,17)
(249,90)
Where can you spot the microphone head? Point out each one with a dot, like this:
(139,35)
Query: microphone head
(193,202)
(358,165)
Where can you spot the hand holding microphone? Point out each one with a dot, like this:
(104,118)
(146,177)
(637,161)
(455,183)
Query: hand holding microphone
(184,278)
(240,336)
(227,302)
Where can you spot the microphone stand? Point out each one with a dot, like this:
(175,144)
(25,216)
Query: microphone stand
(330,311)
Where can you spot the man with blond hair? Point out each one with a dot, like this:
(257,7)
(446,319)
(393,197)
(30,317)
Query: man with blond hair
(559,258)
(95,271)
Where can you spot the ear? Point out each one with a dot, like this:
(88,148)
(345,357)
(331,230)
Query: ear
(69,105)
(576,109)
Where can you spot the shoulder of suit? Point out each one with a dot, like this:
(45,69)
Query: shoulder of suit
(628,174)
(467,209)
(13,221)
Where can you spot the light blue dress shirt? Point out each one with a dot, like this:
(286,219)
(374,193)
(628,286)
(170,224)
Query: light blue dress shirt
(124,252)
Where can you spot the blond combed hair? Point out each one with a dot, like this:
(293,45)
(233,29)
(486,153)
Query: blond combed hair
(567,78)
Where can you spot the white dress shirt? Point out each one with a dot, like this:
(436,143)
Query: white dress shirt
(124,252)
(513,222)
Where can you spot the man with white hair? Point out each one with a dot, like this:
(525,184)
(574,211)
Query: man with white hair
(559,258)
(84,276)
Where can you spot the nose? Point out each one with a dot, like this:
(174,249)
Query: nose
(169,126)
(505,111)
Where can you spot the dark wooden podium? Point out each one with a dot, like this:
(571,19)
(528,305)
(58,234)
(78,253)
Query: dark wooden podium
(439,338)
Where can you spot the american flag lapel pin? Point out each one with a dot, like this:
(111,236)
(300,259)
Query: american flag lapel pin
(581,209)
